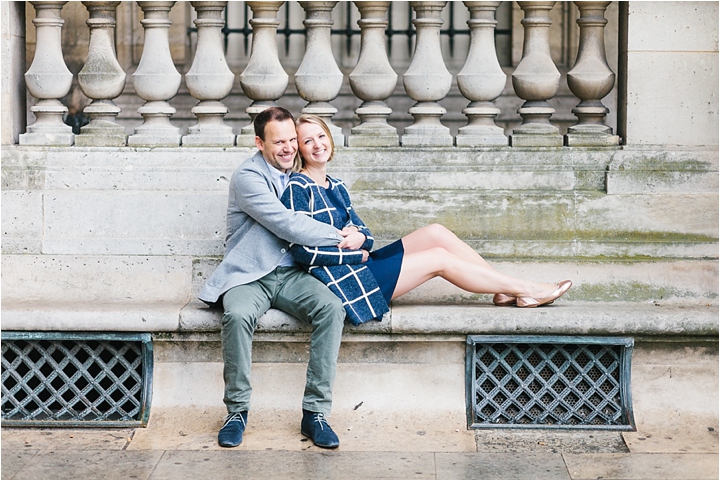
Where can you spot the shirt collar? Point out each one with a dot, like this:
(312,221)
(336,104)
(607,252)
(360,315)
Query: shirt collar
(276,174)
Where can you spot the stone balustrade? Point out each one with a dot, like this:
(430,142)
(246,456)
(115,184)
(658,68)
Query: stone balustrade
(318,80)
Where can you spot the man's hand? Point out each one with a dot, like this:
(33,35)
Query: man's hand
(353,239)
(366,255)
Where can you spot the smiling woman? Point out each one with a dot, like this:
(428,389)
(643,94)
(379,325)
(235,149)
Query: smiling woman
(367,281)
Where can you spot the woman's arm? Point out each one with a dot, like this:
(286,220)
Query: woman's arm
(298,198)
(325,256)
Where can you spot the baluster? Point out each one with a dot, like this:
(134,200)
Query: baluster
(535,80)
(209,80)
(156,80)
(318,78)
(591,79)
(373,80)
(264,80)
(427,80)
(101,79)
(481,79)
(48,79)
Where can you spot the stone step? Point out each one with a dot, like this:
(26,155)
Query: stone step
(176,280)
(507,204)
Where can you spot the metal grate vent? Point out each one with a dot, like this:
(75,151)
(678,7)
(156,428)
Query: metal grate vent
(549,382)
(76,379)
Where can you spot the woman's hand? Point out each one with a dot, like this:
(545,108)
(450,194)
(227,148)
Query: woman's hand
(353,239)
(366,255)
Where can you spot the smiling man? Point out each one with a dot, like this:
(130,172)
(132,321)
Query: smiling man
(257,273)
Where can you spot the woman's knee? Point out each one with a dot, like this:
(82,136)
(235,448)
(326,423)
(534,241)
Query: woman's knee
(440,233)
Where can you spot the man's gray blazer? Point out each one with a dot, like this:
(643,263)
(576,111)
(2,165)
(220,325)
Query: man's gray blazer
(259,230)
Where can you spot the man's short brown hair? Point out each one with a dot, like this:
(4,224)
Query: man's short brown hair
(270,114)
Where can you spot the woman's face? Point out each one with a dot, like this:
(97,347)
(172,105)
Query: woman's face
(313,144)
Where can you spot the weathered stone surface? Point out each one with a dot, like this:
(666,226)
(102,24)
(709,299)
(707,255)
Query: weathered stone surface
(104,279)
(642,466)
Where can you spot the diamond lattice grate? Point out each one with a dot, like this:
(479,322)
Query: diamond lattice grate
(75,381)
(549,382)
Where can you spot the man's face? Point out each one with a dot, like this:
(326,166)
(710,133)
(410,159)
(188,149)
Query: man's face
(280,144)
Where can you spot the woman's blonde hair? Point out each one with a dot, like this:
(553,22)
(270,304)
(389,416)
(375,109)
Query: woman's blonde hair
(311,119)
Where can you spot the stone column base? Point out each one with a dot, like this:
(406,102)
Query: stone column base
(592,140)
(536,140)
(377,140)
(245,140)
(208,140)
(49,138)
(151,140)
(478,140)
(105,140)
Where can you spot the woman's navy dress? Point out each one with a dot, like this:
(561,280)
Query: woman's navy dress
(384,263)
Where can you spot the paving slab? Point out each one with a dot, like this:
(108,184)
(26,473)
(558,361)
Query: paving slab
(642,466)
(233,464)
(500,466)
(90,464)
(66,438)
(692,439)
(183,429)
(13,460)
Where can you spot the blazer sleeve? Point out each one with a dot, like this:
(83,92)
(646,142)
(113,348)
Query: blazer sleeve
(297,199)
(355,219)
(250,193)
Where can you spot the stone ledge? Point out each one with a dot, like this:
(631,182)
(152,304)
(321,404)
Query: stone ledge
(633,319)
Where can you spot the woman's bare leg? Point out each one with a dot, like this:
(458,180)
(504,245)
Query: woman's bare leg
(436,235)
(419,266)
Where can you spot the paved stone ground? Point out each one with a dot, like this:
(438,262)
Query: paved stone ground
(184,447)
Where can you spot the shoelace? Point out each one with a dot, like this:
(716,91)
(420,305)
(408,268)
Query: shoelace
(234,417)
(320,419)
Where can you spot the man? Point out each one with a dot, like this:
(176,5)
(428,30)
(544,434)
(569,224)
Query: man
(257,273)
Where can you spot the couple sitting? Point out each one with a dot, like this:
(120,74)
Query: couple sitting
(286,217)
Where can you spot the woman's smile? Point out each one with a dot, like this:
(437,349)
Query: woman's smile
(313,143)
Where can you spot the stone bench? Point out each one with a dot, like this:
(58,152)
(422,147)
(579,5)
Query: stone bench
(564,318)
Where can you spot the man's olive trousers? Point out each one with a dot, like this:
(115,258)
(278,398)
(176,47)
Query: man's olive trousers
(294,291)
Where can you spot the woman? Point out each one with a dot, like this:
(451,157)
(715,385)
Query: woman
(367,282)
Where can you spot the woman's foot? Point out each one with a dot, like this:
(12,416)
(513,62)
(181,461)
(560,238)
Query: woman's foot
(561,288)
(504,300)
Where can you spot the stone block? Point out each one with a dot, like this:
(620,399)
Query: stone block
(648,217)
(22,222)
(95,279)
(134,222)
(658,109)
(655,26)
(671,172)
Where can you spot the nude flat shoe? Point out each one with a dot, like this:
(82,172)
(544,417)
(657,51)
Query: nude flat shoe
(562,288)
(503,300)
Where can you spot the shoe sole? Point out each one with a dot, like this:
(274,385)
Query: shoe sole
(326,446)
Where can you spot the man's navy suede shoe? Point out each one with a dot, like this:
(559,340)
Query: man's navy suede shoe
(231,433)
(316,427)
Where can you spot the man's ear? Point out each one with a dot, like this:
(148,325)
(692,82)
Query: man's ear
(259,144)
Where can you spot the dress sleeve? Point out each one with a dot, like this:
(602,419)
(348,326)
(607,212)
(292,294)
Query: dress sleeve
(298,198)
